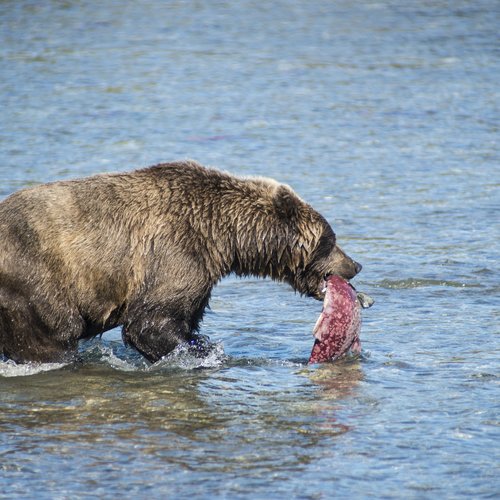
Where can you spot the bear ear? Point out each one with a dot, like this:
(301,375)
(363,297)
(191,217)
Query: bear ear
(286,202)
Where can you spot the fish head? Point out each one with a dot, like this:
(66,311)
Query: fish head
(332,284)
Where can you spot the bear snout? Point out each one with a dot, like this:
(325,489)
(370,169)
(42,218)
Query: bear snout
(357,267)
(341,264)
(349,269)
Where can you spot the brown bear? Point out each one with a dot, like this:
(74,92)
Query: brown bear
(143,250)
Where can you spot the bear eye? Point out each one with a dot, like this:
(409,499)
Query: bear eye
(326,276)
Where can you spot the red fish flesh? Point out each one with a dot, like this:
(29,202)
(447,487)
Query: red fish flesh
(337,329)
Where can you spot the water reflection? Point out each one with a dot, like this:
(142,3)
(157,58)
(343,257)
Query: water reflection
(339,379)
(78,400)
(241,408)
(337,386)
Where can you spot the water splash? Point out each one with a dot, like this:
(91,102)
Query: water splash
(105,354)
(10,368)
(205,354)
(201,353)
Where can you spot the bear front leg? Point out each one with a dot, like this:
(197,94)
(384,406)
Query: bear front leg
(154,336)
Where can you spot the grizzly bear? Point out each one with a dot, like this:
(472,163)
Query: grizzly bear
(143,250)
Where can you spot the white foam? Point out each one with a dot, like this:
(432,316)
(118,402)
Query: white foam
(10,368)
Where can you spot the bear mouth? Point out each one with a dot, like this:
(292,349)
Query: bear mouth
(365,300)
(323,284)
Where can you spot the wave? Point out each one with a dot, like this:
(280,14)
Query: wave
(423,282)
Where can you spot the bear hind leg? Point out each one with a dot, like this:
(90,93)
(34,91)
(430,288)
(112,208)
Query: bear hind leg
(25,337)
(26,334)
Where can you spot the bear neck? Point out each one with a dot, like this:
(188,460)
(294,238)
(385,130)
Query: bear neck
(264,249)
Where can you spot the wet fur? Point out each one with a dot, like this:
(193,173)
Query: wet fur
(144,250)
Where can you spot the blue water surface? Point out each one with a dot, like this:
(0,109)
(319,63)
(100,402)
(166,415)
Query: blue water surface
(384,115)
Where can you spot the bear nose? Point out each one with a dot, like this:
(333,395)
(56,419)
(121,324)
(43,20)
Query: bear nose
(357,267)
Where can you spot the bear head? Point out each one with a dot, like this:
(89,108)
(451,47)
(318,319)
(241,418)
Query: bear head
(314,251)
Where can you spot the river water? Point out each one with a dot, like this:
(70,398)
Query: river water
(384,115)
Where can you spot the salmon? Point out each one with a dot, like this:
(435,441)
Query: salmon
(338,327)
